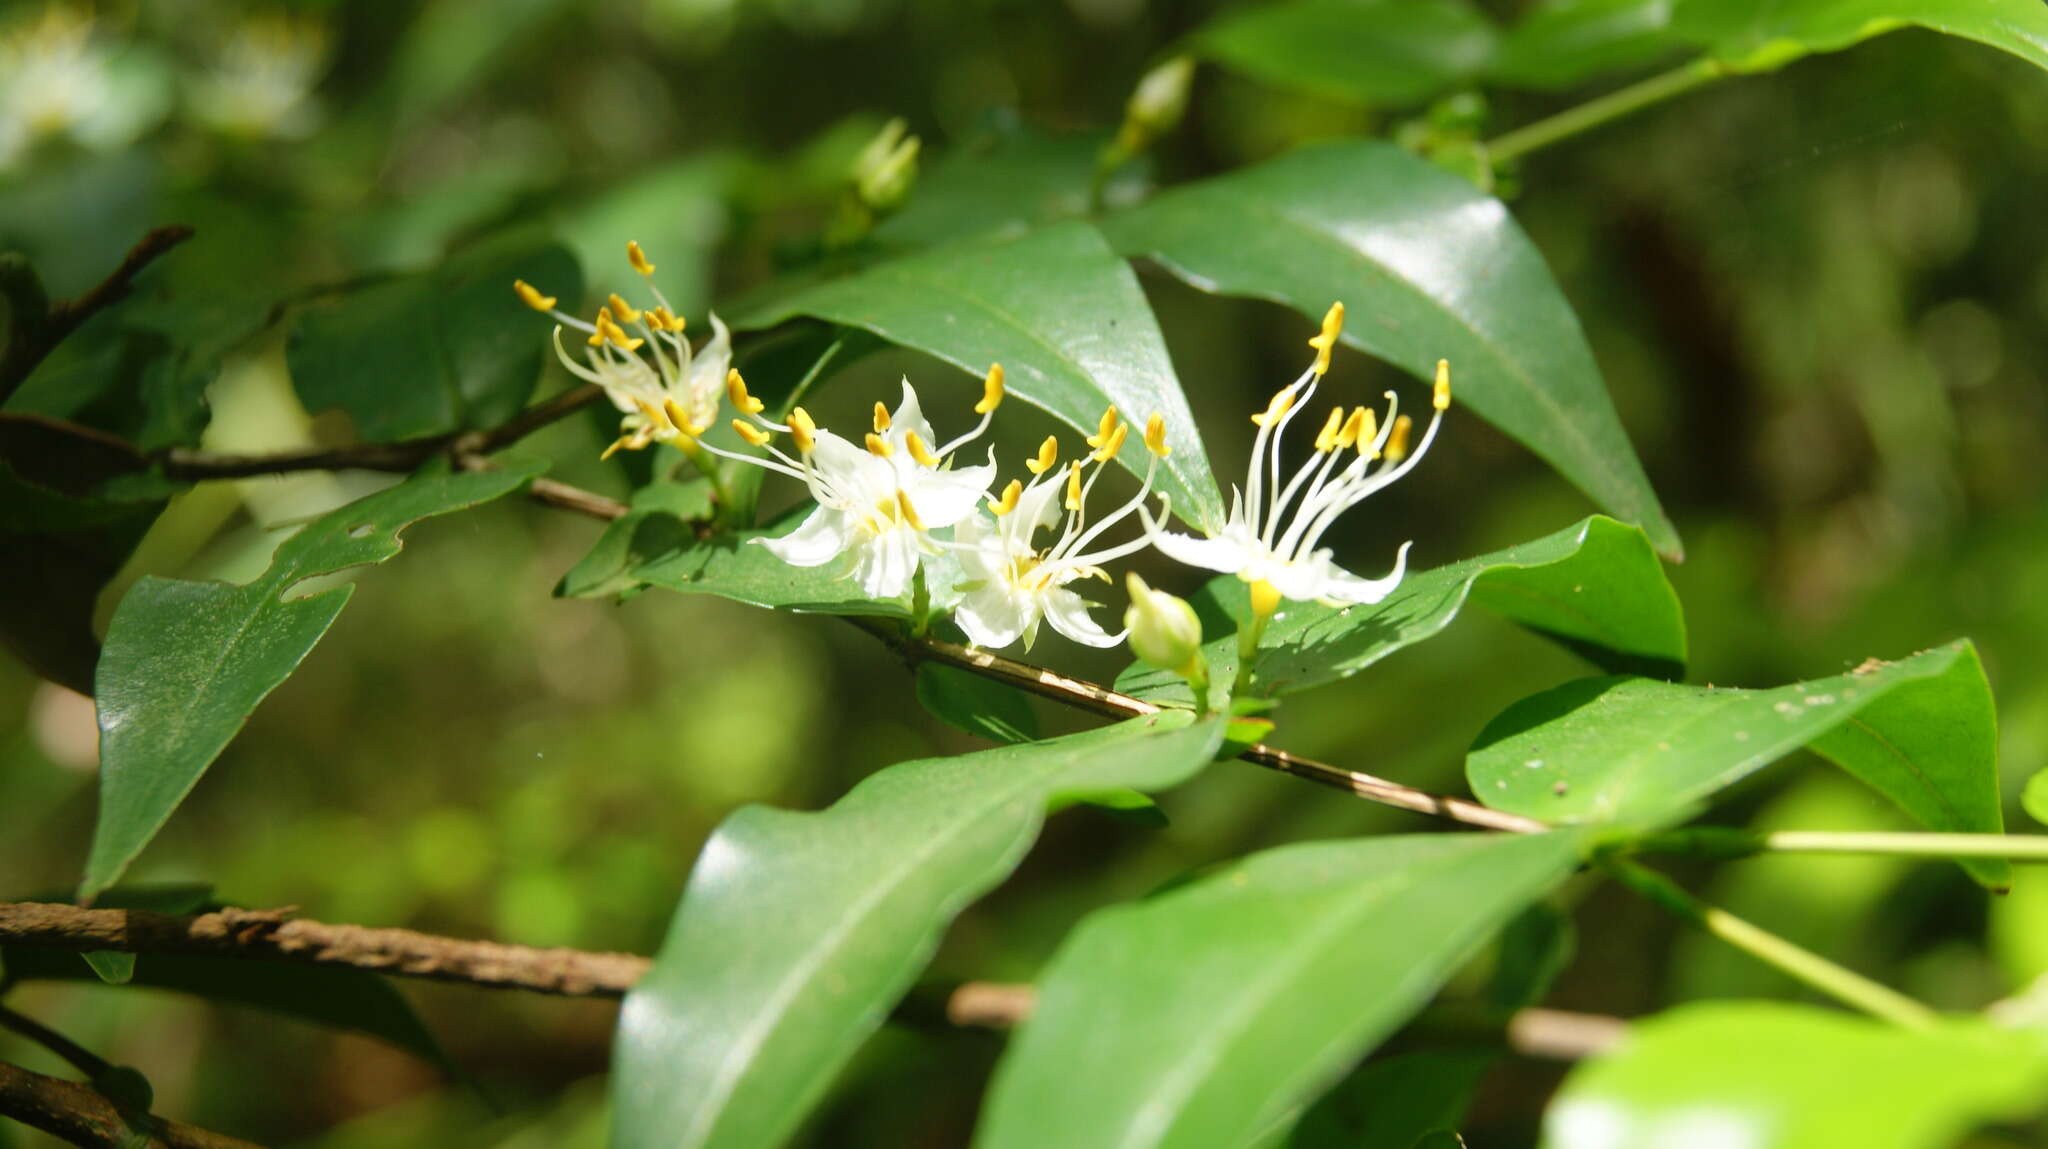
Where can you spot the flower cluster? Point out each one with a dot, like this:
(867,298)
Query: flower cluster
(887,504)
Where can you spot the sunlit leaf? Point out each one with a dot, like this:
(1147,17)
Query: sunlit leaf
(1564,42)
(1204,1015)
(977,705)
(1596,587)
(663,520)
(1430,269)
(1771,1076)
(1368,51)
(1921,731)
(799,931)
(1057,308)
(186,662)
(1753,36)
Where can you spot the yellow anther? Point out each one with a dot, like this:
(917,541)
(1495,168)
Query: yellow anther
(881,417)
(1359,430)
(1441,399)
(908,512)
(618,444)
(803,429)
(1048,454)
(1155,436)
(659,318)
(1108,450)
(622,309)
(751,433)
(991,391)
(1282,400)
(1326,340)
(603,321)
(638,258)
(1265,599)
(879,447)
(1008,502)
(1104,428)
(673,322)
(1333,427)
(1397,443)
(532,298)
(918,450)
(1074,485)
(656,417)
(618,336)
(736,390)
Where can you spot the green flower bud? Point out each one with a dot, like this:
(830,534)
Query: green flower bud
(1156,106)
(887,168)
(1164,630)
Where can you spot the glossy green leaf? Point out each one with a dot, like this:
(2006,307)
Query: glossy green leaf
(1004,185)
(2035,797)
(980,706)
(1770,1076)
(1561,43)
(799,931)
(662,521)
(1394,1102)
(1921,731)
(432,352)
(1430,269)
(1204,1015)
(1057,308)
(1367,51)
(1754,36)
(1596,587)
(186,662)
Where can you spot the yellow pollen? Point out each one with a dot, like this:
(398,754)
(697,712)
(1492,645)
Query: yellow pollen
(638,258)
(1359,430)
(1282,400)
(1326,340)
(991,391)
(674,322)
(879,447)
(619,338)
(622,309)
(1108,450)
(918,450)
(1155,436)
(736,390)
(1074,485)
(603,321)
(1104,428)
(1397,443)
(881,417)
(532,298)
(1441,399)
(1333,427)
(1008,502)
(1048,454)
(751,433)
(908,512)
(803,429)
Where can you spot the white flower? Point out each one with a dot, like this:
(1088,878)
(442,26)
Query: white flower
(1012,584)
(262,78)
(1270,539)
(878,504)
(669,394)
(59,78)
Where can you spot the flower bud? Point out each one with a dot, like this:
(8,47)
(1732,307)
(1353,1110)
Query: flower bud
(1164,629)
(886,169)
(1157,104)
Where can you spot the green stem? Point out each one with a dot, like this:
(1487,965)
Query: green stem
(2019,847)
(1595,112)
(1844,985)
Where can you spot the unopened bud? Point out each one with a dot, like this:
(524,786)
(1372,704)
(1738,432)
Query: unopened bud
(1164,629)
(1157,104)
(887,168)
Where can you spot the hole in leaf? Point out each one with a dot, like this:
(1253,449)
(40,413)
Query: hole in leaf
(361,530)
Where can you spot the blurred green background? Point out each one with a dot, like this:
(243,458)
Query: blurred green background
(1820,299)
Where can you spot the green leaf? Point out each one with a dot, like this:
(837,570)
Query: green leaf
(1062,314)
(1750,36)
(1770,1076)
(1596,587)
(1920,731)
(1430,269)
(1007,184)
(2035,797)
(436,351)
(661,522)
(73,506)
(980,706)
(1534,949)
(1394,1102)
(799,931)
(1365,51)
(186,662)
(111,966)
(1201,1017)
(1566,42)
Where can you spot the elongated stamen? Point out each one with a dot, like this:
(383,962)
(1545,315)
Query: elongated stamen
(991,398)
(1254,492)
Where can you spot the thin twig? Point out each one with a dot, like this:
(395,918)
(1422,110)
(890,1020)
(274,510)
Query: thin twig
(36,336)
(274,934)
(82,1059)
(83,1115)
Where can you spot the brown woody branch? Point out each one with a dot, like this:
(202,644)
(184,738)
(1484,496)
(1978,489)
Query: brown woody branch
(36,335)
(83,1115)
(276,935)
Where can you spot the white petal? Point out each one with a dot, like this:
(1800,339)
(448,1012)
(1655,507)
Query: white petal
(1218,554)
(706,381)
(1343,586)
(824,536)
(943,498)
(908,417)
(993,616)
(1304,580)
(1068,614)
(885,563)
